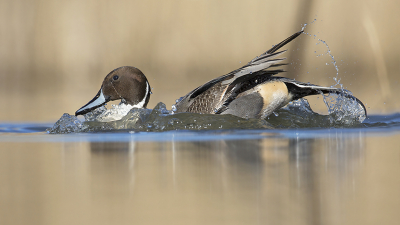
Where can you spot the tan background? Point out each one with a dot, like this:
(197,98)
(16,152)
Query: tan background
(55,54)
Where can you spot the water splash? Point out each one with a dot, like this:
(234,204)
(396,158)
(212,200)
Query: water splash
(344,112)
(343,109)
(173,108)
(67,124)
(115,113)
(328,52)
(336,79)
(92,116)
(158,119)
(305,25)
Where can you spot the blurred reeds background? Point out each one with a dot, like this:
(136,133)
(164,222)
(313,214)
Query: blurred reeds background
(55,54)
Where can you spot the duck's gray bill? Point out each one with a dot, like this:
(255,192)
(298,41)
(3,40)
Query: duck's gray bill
(98,101)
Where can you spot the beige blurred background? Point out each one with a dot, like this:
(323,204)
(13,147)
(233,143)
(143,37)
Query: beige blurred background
(55,54)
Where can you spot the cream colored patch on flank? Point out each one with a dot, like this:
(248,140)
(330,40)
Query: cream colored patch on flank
(275,95)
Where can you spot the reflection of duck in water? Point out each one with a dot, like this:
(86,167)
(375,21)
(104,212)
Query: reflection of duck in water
(250,92)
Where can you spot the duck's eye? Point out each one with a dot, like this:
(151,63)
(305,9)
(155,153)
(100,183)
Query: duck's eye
(115,77)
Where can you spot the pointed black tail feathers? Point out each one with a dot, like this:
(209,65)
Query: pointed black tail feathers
(300,90)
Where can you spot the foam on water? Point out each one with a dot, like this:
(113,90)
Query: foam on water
(343,112)
(158,119)
(343,109)
(67,124)
(103,114)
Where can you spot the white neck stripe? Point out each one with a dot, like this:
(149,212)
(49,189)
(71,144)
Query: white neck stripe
(141,103)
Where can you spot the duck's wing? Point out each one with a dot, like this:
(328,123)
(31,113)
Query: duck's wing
(232,81)
(261,62)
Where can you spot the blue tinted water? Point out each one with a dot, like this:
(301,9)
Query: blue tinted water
(374,125)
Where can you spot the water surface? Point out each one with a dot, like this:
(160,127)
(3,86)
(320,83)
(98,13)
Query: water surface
(277,176)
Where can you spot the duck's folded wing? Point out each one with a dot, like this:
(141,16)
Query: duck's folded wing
(248,71)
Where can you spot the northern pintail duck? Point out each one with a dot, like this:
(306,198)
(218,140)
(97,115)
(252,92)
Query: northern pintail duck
(251,91)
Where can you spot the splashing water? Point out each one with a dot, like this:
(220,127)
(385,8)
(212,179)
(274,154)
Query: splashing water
(328,52)
(305,25)
(103,114)
(158,119)
(67,124)
(344,112)
(336,79)
(343,109)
